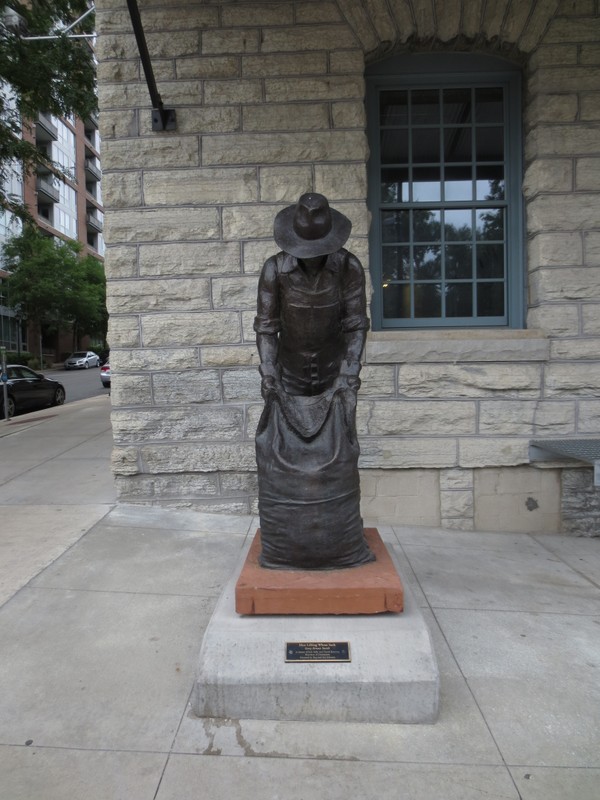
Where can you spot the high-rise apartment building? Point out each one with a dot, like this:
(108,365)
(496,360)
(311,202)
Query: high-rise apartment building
(69,207)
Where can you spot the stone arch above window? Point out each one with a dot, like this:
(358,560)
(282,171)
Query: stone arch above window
(385,26)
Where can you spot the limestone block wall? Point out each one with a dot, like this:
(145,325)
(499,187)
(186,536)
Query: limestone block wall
(270,103)
(561,187)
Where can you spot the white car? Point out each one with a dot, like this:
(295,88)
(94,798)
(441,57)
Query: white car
(82,359)
(105,375)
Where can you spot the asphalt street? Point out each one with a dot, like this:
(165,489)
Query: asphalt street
(79,383)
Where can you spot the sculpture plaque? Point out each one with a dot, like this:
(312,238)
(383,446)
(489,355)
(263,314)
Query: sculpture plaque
(310,326)
(317,652)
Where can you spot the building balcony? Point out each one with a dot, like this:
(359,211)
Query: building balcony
(43,169)
(92,120)
(46,219)
(13,22)
(94,222)
(96,243)
(92,169)
(91,141)
(93,202)
(47,192)
(45,130)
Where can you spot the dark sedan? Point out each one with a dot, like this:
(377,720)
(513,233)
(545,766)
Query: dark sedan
(28,390)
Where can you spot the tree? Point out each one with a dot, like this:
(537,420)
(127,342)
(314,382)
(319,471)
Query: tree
(55,76)
(53,286)
(85,300)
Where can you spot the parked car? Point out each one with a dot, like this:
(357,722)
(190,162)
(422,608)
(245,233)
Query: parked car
(82,359)
(28,390)
(105,375)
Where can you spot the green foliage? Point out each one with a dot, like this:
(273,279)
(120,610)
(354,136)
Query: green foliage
(85,301)
(13,357)
(53,285)
(56,76)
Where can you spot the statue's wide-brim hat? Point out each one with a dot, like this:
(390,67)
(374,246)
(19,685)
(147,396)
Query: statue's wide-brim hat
(311,228)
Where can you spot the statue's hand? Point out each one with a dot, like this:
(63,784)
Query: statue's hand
(270,373)
(269,384)
(348,386)
(347,382)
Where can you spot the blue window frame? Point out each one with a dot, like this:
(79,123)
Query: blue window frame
(446,243)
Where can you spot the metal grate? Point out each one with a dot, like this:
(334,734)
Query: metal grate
(587,450)
(582,449)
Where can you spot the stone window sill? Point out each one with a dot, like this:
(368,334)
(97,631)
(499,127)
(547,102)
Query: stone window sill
(455,346)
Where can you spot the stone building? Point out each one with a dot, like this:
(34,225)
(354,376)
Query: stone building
(463,140)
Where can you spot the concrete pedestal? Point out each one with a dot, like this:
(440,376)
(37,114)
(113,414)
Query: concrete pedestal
(243,674)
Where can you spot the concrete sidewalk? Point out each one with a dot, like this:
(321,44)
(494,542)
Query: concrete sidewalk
(101,619)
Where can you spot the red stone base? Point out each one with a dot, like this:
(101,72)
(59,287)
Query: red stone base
(368,589)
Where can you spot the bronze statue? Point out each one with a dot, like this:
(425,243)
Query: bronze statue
(311,326)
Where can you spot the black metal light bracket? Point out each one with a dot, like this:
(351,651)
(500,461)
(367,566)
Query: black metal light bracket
(163,119)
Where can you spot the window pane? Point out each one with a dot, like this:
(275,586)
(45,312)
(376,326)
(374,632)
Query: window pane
(490,182)
(490,299)
(393,108)
(489,104)
(396,301)
(458,225)
(427,262)
(489,144)
(459,261)
(426,226)
(394,185)
(426,145)
(65,211)
(62,151)
(490,224)
(426,185)
(395,226)
(459,300)
(457,106)
(490,261)
(458,184)
(425,107)
(396,263)
(394,147)
(428,300)
(442,194)
(457,144)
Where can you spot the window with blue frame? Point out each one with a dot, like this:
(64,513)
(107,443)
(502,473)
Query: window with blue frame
(445,192)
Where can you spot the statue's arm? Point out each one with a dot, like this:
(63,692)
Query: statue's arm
(267,324)
(355,322)
(267,352)
(355,343)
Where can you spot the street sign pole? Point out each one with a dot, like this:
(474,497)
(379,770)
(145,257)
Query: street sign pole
(4,379)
